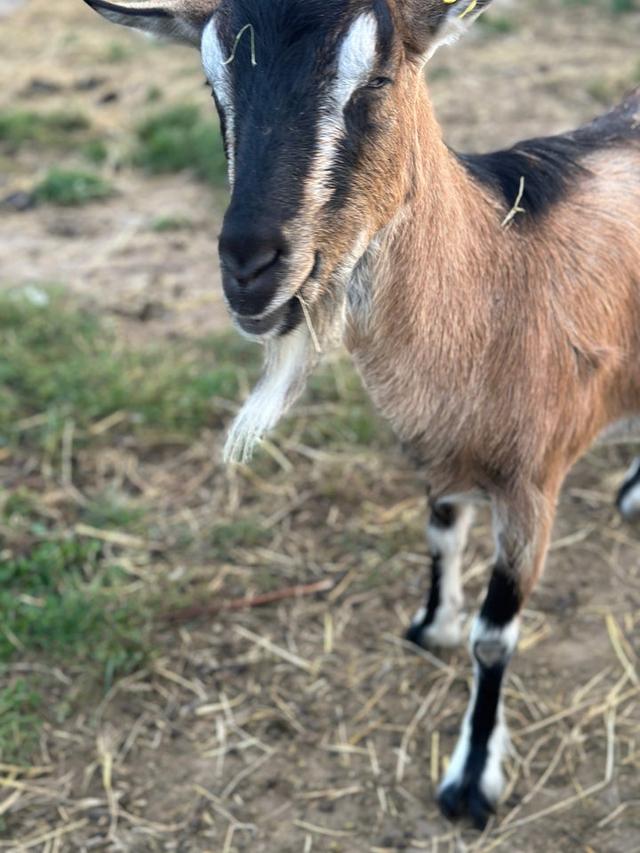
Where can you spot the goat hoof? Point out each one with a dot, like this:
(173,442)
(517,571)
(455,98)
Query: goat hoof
(479,807)
(438,635)
(452,802)
(456,801)
(415,634)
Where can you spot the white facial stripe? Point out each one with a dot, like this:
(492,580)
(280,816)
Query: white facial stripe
(213,61)
(356,60)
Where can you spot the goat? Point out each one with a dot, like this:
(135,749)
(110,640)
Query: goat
(491,303)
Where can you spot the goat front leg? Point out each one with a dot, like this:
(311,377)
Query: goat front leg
(474,779)
(439,622)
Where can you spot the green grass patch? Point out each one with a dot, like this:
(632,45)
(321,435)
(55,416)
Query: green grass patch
(114,512)
(59,364)
(497,24)
(95,151)
(19,721)
(168,224)
(53,129)
(117,52)
(71,188)
(242,533)
(623,7)
(62,598)
(179,139)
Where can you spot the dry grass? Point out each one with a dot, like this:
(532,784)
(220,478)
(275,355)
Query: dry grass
(286,714)
(292,716)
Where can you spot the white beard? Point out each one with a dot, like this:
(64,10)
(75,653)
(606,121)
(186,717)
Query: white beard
(288,363)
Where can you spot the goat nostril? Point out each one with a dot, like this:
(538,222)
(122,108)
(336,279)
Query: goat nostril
(247,255)
(257,265)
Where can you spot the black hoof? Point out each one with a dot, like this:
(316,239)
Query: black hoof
(452,802)
(456,801)
(480,809)
(414,635)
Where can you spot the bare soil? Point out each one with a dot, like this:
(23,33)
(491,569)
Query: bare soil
(309,725)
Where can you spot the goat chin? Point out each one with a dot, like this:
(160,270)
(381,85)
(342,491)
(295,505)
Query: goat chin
(287,365)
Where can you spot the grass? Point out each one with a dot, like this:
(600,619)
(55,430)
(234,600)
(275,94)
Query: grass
(95,151)
(69,596)
(71,188)
(497,24)
(61,365)
(59,598)
(178,139)
(168,224)
(117,52)
(623,7)
(64,365)
(20,720)
(111,511)
(54,129)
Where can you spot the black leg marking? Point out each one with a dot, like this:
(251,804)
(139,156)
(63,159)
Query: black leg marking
(474,779)
(416,629)
(443,517)
(503,599)
(465,795)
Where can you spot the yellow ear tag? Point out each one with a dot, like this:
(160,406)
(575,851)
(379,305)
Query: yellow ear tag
(472,5)
(469,8)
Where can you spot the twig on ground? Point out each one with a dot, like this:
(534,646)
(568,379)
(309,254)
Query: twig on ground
(188,614)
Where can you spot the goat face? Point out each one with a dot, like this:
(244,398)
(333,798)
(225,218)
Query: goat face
(312,115)
(315,99)
(319,101)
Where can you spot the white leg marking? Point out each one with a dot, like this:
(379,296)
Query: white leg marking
(492,780)
(630,504)
(446,630)
(455,770)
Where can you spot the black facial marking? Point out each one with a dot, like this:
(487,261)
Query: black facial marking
(277,102)
(223,124)
(551,166)
(385,30)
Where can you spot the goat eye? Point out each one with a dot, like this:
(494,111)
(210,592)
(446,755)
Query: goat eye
(379,83)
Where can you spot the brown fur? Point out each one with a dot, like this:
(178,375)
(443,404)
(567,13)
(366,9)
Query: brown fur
(499,348)
(500,353)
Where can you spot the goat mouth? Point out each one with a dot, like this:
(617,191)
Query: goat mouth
(281,321)
(284,319)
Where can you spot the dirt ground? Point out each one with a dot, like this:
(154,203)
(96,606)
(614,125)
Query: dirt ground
(309,725)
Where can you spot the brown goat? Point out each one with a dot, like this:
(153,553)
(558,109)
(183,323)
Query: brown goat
(491,303)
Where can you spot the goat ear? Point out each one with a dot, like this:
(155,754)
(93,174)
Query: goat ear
(432,23)
(182,20)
